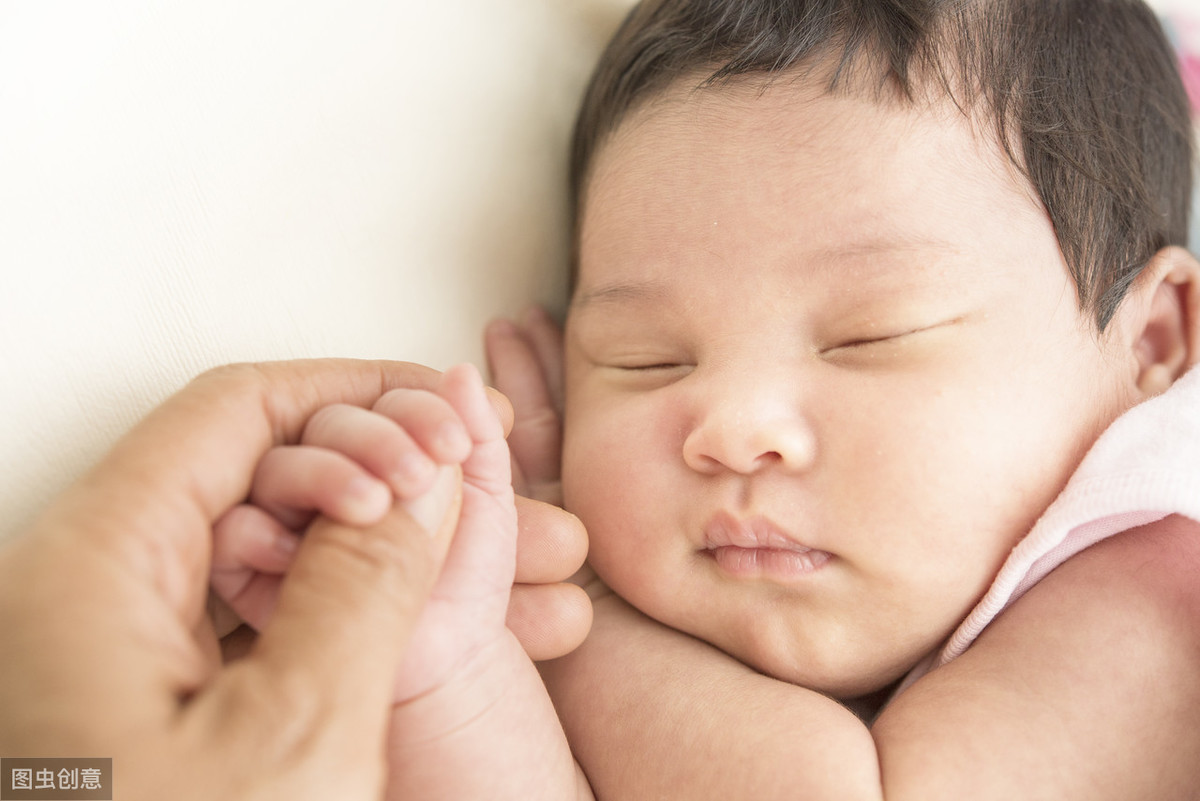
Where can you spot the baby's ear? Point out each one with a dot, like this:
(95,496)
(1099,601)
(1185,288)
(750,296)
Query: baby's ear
(1162,315)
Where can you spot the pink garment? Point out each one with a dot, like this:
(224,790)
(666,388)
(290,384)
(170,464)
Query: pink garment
(1145,467)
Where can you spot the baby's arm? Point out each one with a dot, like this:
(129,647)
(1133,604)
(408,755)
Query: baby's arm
(472,718)
(1086,688)
(485,728)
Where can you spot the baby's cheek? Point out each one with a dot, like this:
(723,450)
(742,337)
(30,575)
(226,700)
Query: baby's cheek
(622,477)
(595,493)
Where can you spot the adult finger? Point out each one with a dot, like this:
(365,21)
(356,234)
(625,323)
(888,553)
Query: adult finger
(346,609)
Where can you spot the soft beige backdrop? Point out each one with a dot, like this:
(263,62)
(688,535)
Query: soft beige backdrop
(184,184)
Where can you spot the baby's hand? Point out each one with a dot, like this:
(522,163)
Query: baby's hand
(526,362)
(350,465)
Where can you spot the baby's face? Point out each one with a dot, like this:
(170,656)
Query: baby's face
(825,367)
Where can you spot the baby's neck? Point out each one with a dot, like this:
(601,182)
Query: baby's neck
(867,707)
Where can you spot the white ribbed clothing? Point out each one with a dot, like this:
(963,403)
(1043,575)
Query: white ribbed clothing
(1144,467)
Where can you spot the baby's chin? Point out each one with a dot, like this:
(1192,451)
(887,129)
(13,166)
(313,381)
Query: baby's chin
(842,658)
(851,673)
(862,690)
(844,680)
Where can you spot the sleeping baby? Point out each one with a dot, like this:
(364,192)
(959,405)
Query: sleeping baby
(876,408)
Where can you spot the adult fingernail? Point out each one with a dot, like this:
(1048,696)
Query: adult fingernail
(430,507)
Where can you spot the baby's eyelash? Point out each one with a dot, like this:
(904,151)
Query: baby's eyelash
(856,343)
(879,340)
(647,367)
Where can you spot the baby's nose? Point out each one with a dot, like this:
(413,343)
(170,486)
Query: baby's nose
(750,427)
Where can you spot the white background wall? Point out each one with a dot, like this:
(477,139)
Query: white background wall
(184,184)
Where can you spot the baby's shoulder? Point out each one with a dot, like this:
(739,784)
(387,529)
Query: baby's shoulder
(1141,586)
(1158,557)
(1087,681)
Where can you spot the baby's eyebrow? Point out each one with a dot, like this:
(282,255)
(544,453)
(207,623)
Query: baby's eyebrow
(620,293)
(871,256)
(882,245)
(890,261)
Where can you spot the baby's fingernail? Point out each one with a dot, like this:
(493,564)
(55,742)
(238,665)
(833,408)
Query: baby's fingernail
(413,469)
(430,508)
(452,442)
(286,545)
(366,501)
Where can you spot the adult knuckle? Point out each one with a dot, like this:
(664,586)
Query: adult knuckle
(248,375)
(240,384)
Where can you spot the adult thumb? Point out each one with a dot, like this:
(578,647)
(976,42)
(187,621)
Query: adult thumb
(328,658)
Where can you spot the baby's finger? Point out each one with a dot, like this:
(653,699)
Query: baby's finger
(431,422)
(294,481)
(246,537)
(251,550)
(489,467)
(551,543)
(536,436)
(375,442)
(546,336)
(549,620)
(462,388)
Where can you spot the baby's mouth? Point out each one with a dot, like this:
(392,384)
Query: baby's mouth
(756,548)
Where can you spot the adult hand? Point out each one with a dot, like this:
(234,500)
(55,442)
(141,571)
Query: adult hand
(108,652)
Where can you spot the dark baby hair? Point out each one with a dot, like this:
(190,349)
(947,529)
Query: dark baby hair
(1085,96)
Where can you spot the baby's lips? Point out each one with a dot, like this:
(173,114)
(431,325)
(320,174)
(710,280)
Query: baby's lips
(433,508)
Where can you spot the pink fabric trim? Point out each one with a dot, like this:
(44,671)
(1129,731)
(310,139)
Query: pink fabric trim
(1144,467)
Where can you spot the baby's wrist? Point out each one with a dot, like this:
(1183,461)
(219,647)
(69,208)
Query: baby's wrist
(463,699)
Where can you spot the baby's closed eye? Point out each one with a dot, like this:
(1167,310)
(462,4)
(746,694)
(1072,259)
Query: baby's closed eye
(889,341)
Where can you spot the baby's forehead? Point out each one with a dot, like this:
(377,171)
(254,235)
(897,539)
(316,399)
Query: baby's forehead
(760,110)
(772,177)
(792,134)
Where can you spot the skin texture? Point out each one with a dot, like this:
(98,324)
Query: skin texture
(802,308)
